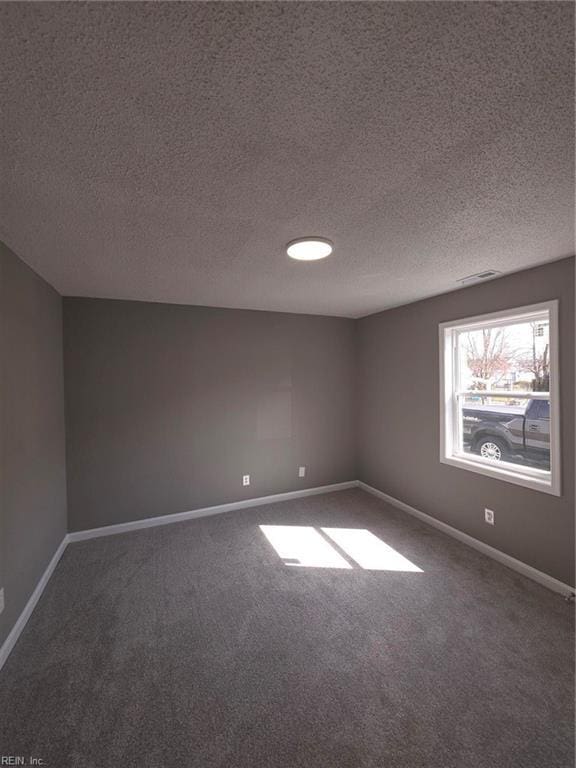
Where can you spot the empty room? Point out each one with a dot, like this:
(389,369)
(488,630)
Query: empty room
(287,384)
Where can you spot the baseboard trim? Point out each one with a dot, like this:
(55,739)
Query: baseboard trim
(179,517)
(511,562)
(22,620)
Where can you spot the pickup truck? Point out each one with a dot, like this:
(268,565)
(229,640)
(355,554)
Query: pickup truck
(509,433)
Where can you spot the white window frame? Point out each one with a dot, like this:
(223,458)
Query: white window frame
(537,479)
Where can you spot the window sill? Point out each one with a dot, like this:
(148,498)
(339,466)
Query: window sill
(507,473)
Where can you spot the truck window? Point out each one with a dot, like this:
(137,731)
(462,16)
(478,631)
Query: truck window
(538,409)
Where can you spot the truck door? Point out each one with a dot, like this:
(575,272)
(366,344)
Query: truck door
(537,427)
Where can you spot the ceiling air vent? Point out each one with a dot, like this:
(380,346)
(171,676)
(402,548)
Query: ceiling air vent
(479,276)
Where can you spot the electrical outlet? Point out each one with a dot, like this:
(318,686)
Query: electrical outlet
(489,516)
(1,599)
(301,471)
(245,479)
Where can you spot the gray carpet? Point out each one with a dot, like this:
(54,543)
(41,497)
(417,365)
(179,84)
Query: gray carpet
(194,644)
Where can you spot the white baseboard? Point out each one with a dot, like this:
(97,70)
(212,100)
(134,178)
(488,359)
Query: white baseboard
(179,517)
(16,630)
(486,549)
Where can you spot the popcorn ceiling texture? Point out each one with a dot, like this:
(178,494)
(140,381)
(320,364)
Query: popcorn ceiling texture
(168,151)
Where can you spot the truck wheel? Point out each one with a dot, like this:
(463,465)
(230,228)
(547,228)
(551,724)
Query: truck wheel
(492,448)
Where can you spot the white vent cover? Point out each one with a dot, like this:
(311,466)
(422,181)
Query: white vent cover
(479,276)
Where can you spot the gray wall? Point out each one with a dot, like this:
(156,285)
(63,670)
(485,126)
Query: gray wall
(168,406)
(32,454)
(399,421)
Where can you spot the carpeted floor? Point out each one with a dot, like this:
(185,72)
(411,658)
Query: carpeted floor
(197,645)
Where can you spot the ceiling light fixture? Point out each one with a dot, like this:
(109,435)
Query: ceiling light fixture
(309,248)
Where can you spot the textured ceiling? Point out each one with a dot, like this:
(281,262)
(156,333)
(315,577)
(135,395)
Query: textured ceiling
(168,151)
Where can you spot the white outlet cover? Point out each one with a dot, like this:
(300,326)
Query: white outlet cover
(489,516)
(245,479)
(301,471)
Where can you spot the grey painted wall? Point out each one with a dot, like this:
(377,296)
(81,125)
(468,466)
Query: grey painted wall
(168,406)
(32,458)
(399,421)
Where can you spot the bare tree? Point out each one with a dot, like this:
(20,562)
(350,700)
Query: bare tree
(488,355)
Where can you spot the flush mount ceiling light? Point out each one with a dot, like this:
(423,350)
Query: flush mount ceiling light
(309,248)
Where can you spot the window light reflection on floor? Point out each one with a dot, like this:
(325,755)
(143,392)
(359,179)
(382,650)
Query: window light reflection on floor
(344,548)
(302,545)
(369,551)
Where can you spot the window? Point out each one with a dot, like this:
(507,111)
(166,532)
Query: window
(499,396)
